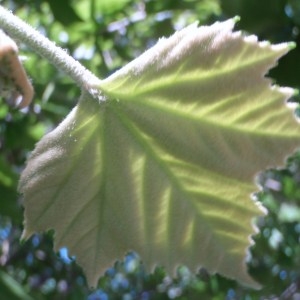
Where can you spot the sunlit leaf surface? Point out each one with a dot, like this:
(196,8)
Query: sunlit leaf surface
(165,166)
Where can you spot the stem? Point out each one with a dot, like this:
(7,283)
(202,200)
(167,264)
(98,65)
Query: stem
(23,32)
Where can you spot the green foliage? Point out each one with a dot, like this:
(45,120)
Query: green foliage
(112,46)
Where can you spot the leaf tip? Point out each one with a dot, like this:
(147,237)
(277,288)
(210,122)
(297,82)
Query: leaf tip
(295,92)
(25,235)
(291,45)
(23,240)
(236,19)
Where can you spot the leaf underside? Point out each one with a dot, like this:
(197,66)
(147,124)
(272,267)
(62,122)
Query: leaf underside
(165,165)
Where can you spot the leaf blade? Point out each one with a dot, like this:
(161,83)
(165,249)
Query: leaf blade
(165,166)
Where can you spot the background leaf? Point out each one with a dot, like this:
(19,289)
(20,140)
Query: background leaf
(11,289)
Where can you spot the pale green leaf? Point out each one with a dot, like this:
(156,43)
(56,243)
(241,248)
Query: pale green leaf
(165,166)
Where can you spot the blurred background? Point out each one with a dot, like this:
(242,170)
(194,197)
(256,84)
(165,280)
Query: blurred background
(104,35)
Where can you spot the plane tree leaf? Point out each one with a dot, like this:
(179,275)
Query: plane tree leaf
(164,164)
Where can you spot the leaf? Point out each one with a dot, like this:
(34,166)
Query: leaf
(165,165)
(64,12)
(12,289)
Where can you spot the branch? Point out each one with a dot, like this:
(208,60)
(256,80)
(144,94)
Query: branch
(21,31)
